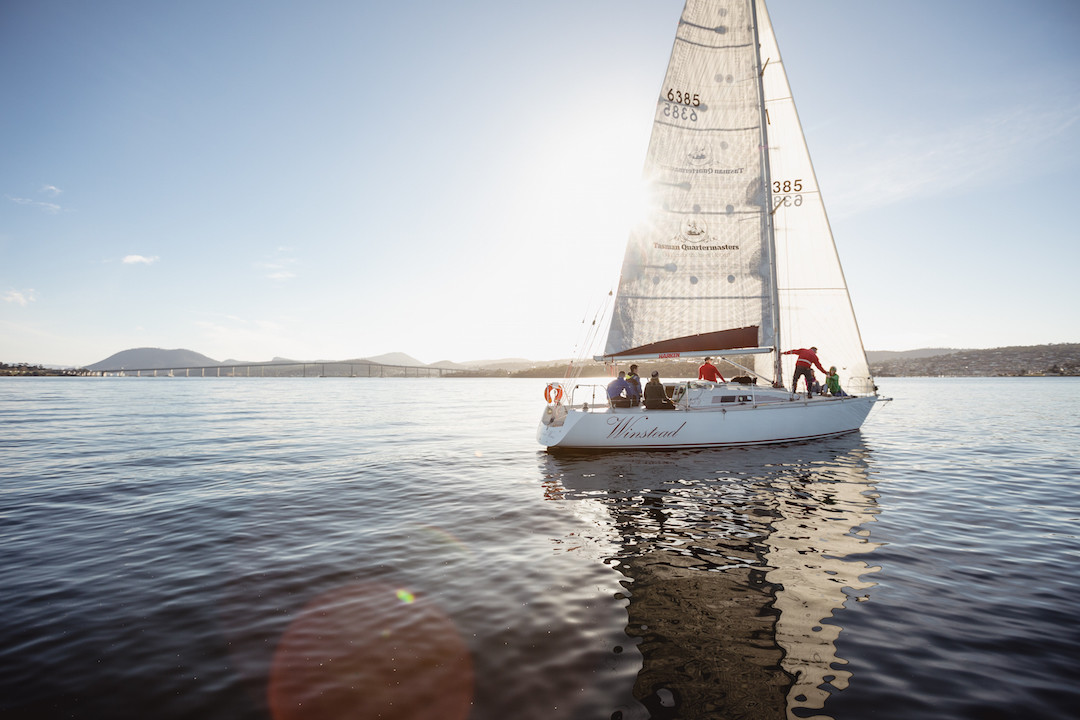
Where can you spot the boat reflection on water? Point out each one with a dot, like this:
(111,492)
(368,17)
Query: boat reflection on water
(734,560)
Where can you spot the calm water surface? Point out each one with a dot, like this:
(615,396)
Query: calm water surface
(402,548)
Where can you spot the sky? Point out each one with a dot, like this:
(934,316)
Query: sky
(456,181)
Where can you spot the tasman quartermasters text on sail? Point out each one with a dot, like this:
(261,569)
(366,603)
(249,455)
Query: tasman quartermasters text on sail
(710,171)
(662,246)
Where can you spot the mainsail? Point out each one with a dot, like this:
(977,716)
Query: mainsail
(736,253)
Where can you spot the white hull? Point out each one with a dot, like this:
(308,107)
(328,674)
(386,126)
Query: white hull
(769,416)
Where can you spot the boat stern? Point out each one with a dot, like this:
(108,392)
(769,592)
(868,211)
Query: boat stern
(555,423)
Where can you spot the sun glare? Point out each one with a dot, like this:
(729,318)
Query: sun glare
(637,197)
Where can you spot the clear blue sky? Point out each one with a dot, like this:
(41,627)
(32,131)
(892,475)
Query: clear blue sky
(455,180)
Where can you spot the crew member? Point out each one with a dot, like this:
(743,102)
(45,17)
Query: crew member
(618,391)
(708,371)
(635,386)
(804,368)
(655,395)
(833,383)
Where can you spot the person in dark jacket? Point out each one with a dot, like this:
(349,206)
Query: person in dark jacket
(655,395)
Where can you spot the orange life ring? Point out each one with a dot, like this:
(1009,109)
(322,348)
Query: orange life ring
(553,390)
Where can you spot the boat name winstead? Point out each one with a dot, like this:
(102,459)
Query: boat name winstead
(625,428)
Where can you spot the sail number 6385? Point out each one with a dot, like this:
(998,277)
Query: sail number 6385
(683,98)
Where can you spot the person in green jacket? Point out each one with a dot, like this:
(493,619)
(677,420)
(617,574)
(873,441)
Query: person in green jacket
(832,382)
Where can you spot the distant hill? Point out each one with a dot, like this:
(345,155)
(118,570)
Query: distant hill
(153,358)
(275,361)
(397,358)
(508,364)
(448,365)
(1017,361)
(504,364)
(1020,361)
(1057,359)
(878,356)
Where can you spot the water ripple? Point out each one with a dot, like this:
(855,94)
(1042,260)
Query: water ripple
(173,547)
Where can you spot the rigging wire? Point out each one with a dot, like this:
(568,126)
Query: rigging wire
(584,350)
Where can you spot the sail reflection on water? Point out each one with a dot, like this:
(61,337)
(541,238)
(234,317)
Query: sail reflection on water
(733,560)
(817,531)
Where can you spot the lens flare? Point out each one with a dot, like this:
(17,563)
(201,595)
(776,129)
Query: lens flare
(368,651)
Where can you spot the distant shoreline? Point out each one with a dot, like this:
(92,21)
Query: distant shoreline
(539,374)
(1053,360)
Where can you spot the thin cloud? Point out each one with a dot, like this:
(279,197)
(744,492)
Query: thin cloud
(139,259)
(921,163)
(51,208)
(278,267)
(18,297)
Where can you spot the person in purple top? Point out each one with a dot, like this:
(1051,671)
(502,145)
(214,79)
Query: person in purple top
(619,391)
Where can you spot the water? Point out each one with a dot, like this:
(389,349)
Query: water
(402,548)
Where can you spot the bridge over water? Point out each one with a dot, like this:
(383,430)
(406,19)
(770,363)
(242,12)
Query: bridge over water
(290,369)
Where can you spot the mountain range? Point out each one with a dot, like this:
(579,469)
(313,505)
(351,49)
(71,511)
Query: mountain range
(158,358)
(1054,359)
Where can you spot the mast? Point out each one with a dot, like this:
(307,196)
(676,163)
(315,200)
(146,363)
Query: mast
(767,219)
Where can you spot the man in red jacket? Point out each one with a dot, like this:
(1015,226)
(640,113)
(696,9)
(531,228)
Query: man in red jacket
(708,371)
(804,368)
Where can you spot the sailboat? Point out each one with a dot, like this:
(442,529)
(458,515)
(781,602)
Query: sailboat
(734,259)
